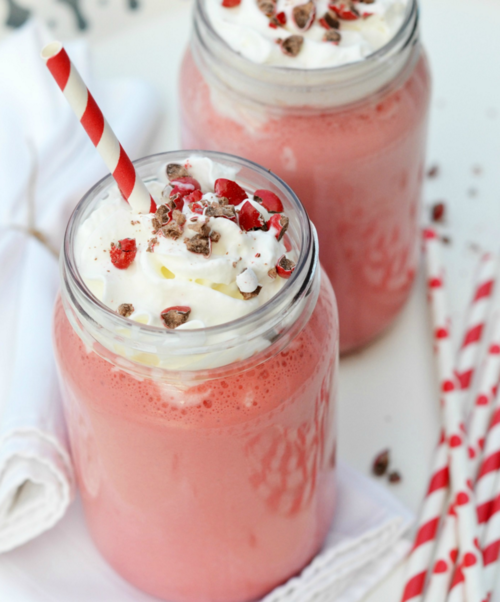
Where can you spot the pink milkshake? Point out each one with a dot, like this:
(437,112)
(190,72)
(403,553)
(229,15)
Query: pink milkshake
(204,433)
(343,123)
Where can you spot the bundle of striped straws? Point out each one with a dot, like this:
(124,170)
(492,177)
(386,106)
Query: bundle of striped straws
(456,552)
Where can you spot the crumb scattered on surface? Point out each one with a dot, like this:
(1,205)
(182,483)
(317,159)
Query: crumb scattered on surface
(394,477)
(381,463)
(433,171)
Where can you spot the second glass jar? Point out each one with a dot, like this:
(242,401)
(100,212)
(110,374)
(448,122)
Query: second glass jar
(350,141)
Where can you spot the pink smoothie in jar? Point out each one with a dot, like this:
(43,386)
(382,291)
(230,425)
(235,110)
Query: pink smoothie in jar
(205,453)
(345,130)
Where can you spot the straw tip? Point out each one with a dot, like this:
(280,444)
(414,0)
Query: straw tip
(50,50)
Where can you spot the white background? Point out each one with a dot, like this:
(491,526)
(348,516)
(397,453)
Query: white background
(387,393)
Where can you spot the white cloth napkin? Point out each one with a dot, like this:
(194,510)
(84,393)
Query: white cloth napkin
(366,541)
(46,164)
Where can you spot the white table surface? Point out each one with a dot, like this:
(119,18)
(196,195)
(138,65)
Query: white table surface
(387,393)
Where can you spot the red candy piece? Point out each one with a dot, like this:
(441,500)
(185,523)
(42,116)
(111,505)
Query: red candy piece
(184,186)
(123,254)
(270,201)
(281,18)
(250,218)
(193,197)
(282,269)
(230,3)
(229,189)
(344,13)
(275,222)
(197,208)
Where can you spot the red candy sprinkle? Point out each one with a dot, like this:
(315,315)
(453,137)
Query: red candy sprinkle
(123,254)
(344,12)
(230,3)
(250,218)
(229,189)
(270,201)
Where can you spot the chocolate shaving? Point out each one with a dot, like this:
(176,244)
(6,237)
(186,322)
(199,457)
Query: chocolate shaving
(198,244)
(302,14)
(174,318)
(272,273)
(156,224)
(162,214)
(381,463)
(215,236)
(291,46)
(267,7)
(126,309)
(330,18)
(175,170)
(284,222)
(332,36)
(251,295)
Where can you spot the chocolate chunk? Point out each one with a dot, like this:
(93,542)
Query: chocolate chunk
(381,463)
(286,264)
(175,170)
(433,172)
(438,212)
(156,224)
(267,6)
(163,214)
(303,13)
(251,295)
(201,228)
(222,200)
(291,46)
(216,210)
(152,244)
(198,244)
(174,318)
(284,222)
(332,36)
(178,217)
(172,230)
(126,310)
(330,18)
(367,1)
(215,236)
(395,477)
(272,273)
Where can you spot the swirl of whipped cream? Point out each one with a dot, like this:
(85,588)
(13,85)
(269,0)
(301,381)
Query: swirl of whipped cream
(202,266)
(256,36)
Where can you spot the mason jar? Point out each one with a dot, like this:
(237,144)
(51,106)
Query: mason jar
(349,140)
(205,458)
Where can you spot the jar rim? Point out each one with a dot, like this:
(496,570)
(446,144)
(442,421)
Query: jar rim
(411,17)
(305,268)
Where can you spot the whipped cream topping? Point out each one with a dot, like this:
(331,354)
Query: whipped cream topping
(331,33)
(203,259)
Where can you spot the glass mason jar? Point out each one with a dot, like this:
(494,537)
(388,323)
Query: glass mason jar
(349,140)
(205,458)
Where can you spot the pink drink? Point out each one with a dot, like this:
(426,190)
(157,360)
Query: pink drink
(357,166)
(224,496)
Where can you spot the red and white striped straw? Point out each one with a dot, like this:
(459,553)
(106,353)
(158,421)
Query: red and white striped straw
(420,557)
(461,485)
(447,549)
(98,129)
(476,320)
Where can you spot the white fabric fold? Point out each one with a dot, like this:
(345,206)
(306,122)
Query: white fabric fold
(47,163)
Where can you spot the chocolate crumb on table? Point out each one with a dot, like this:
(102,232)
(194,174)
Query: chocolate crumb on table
(394,477)
(433,171)
(381,463)
(438,212)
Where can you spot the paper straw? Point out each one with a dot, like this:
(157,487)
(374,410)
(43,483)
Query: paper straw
(98,129)
(476,320)
(491,544)
(461,485)
(447,548)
